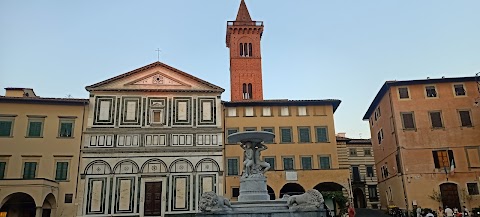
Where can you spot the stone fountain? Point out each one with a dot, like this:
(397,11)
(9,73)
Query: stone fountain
(254,200)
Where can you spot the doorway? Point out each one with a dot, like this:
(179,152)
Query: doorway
(449,192)
(359,198)
(153,199)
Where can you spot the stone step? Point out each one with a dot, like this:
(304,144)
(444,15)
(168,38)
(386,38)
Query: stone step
(260,205)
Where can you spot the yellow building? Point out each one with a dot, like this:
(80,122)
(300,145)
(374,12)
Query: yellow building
(426,142)
(303,154)
(39,154)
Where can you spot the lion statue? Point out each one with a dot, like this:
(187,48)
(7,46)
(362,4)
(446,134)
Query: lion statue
(210,201)
(310,200)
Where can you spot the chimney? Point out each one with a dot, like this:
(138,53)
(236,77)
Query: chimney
(19,92)
(341,134)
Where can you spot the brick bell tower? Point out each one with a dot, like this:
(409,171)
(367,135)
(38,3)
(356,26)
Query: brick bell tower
(243,39)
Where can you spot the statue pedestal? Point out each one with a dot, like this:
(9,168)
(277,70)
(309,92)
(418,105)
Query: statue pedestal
(253,188)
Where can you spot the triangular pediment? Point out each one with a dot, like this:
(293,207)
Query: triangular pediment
(158,79)
(155,77)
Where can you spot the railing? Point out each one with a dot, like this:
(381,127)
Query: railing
(244,23)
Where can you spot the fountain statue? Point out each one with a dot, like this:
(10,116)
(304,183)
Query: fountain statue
(254,200)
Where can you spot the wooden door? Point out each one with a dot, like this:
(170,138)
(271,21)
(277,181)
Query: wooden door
(450,197)
(153,199)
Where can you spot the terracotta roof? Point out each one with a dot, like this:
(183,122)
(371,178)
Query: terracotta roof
(155,64)
(284,102)
(243,14)
(386,86)
(43,100)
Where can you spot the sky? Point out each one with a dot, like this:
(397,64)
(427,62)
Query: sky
(311,49)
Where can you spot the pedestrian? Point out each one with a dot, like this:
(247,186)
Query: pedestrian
(429,214)
(448,212)
(419,212)
(440,212)
(350,210)
(465,211)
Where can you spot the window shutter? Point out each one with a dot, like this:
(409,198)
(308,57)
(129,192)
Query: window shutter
(435,159)
(465,118)
(5,127)
(35,129)
(408,122)
(436,119)
(451,158)
(322,134)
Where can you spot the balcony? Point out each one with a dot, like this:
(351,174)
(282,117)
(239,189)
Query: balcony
(358,179)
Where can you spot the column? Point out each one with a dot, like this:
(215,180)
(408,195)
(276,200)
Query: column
(38,212)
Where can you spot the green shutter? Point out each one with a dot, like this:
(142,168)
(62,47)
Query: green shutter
(66,129)
(324,162)
(61,171)
(322,134)
(2,169)
(304,134)
(306,163)
(29,170)
(35,129)
(5,128)
(232,167)
(230,132)
(288,163)
(286,135)
(271,161)
(268,130)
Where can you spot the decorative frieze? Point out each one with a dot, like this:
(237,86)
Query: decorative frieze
(101,140)
(155,140)
(128,140)
(182,140)
(207,139)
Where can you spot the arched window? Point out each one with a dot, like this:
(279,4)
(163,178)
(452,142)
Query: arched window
(245,92)
(250,50)
(245,49)
(241,49)
(250,92)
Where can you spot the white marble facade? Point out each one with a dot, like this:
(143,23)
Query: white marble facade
(152,145)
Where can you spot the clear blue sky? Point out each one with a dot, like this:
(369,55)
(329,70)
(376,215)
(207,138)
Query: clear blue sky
(312,49)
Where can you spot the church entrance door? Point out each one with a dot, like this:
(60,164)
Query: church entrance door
(153,199)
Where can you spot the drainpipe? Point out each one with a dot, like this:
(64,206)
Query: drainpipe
(399,152)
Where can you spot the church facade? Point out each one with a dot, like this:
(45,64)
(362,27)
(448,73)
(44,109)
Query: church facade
(152,144)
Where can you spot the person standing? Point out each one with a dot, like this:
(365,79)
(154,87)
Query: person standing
(350,210)
(448,212)
(419,212)
(465,211)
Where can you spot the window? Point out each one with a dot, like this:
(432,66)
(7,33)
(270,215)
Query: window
(249,129)
(304,134)
(302,111)
(66,128)
(443,158)
(465,118)
(250,91)
(284,111)
(230,132)
(271,130)
(235,192)
(367,152)
(385,172)
(372,192)
(35,127)
(231,112)
(377,113)
(403,93)
(324,162)
(232,167)
(369,171)
(247,91)
(157,113)
(380,136)
(61,172)
(246,49)
(436,119)
(249,111)
(288,163)
(271,161)
(286,135)
(322,135)
(266,111)
(431,91)
(408,120)
(459,90)
(29,170)
(353,151)
(3,167)
(472,188)
(6,126)
(68,198)
(306,163)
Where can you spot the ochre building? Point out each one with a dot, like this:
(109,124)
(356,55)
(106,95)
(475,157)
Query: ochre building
(303,154)
(426,139)
(39,156)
